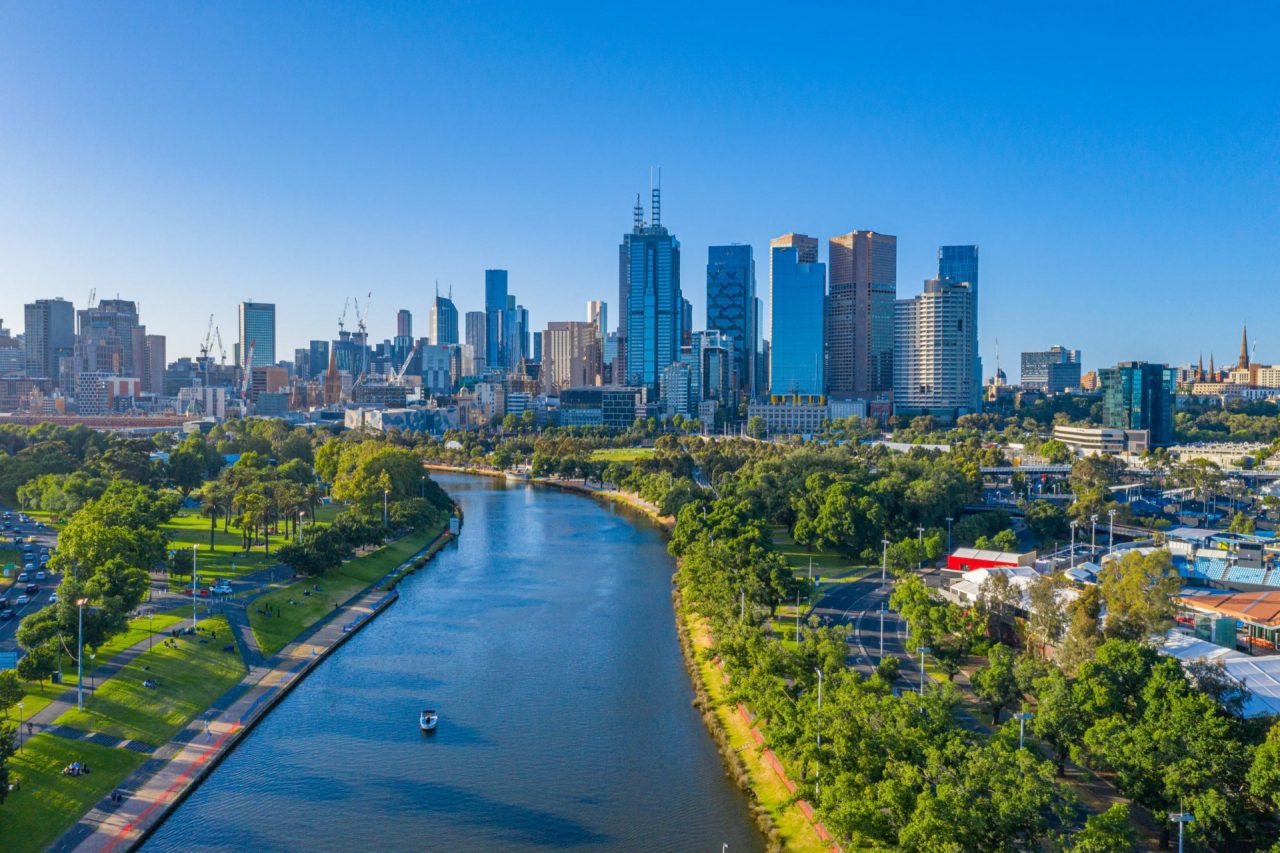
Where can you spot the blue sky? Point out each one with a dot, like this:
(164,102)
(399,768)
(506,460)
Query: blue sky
(1119,164)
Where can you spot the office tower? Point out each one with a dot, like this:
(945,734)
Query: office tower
(957,264)
(404,323)
(686,321)
(859,313)
(153,362)
(1138,395)
(797,293)
(570,355)
(1053,371)
(598,313)
(649,322)
(49,335)
(442,320)
(933,352)
(257,328)
(318,358)
(477,323)
(732,307)
(711,353)
(109,338)
(495,309)
(537,347)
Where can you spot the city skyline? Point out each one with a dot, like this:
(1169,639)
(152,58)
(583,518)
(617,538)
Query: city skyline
(287,209)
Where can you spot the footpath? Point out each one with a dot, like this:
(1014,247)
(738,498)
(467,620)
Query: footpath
(178,766)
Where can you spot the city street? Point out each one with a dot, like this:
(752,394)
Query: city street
(857,604)
(15,536)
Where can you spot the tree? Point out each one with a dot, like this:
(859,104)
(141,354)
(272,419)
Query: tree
(6,752)
(1138,590)
(1241,523)
(756,428)
(1264,773)
(1059,720)
(1083,630)
(996,683)
(1108,832)
(1047,521)
(10,689)
(37,664)
(1048,618)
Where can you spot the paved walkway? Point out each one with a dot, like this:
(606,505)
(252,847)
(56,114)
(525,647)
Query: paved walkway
(194,751)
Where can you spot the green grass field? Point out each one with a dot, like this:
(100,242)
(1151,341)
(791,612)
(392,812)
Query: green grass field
(276,632)
(622,454)
(191,677)
(228,558)
(48,803)
(831,567)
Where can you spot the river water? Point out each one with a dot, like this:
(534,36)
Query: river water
(545,637)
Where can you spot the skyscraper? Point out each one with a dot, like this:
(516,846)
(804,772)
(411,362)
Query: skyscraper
(649,324)
(570,355)
(598,313)
(960,263)
(442,320)
(404,323)
(109,338)
(797,292)
(1138,395)
(258,327)
(1053,371)
(49,334)
(732,308)
(495,309)
(859,313)
(933,362)
(477,334)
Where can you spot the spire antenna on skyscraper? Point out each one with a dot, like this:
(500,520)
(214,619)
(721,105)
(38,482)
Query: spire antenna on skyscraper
(655,200)
(638,211)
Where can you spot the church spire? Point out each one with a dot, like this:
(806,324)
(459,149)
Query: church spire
(1200,372)
(1213,374)
(1244,347)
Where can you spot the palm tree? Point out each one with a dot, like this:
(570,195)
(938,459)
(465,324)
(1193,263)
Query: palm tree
(312,494)
(210,510)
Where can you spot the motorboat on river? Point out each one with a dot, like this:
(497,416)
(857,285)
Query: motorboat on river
(428,720)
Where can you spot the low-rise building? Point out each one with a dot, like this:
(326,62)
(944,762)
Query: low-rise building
(1087,441)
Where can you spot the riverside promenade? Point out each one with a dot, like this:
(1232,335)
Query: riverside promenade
(176,768)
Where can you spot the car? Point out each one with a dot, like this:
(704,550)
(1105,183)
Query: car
(23,577)
(33,588)
(22,599)
(41,575)
(53,598)
(6,613)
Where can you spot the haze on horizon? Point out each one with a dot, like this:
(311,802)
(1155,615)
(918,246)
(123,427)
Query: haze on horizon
(1117,165)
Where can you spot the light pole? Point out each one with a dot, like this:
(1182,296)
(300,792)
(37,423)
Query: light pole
(385,494)
(1111,544)
(1022,718)
(1073,542)
(1093,533)
(1181,818)
(422,489)
(93,665)
(920,533)
(884,561)
(80,603)
(882,630)
(21,720)
(923,650)
(817,783)
(151,629)
(195,616)
(949,520)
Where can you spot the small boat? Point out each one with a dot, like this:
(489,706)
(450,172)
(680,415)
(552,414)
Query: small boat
(428,719)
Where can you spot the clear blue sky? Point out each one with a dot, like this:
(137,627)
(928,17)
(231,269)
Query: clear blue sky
(1119,164)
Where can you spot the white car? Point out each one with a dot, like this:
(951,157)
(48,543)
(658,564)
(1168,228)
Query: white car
(22,599)
(53,598)
(41,575)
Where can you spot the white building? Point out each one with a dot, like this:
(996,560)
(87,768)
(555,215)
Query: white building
(935,351)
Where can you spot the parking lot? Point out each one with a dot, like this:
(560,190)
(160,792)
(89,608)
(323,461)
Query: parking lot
(29,585)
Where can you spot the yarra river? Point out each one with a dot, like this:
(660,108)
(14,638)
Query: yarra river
(546,639)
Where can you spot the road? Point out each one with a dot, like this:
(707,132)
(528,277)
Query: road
(857,604)
(15,535)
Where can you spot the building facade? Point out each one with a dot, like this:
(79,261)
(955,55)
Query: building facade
(934,344)
(958,264)
(1052,371)
(495,309)
(651,300)
(731,308)
(797,294)
(257,327)
(442,321)
(859,313)
(49,335)
(1137,395)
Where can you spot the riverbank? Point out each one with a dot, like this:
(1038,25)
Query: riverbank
(782,821)
(178,767)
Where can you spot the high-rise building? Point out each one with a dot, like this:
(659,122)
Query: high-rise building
(152,364)
(797,292)
(258,327)
(570,355)
(495,309)
(686,322)
(649,324)
(732,307)
(860,313)
(957,264)
(1139,395)
(477,335)
(598,313)
(442,320)
(933,352)
(318,360)
(109,338)
(404,323)
(49,335)
(537,347)
(1053,371)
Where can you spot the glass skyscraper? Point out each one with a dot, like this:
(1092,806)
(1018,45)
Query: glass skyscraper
(797,296)
(1138,395)
(258,327)
(860,312)
(957,264)
(731,307)
(650,321)
(495,309)
(49,336)
(442,320)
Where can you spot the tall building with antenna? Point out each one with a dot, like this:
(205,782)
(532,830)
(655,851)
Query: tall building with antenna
(442,319)
(650,316)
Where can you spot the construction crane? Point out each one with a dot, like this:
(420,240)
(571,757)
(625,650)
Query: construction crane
(342,321)
(93,295)
(206,344)
(247,379)
(397,378)
(362,326)
(222,350)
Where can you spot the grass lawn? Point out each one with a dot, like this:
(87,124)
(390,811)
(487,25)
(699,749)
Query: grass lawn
(191,677)
(622,454)
(831,567)
(48,803)
(228,559)
(276,632)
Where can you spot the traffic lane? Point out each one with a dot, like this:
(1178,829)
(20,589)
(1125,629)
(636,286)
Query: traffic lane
(858,605)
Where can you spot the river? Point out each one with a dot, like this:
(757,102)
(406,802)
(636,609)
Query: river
(545,637)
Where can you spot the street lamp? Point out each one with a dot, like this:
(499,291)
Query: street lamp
(1093,534)
(817,783)
(1022,718)
(884,561)
(923,650)
(422,490)
(949,520)
(1111,545)
(1073,542)
(80,603)
(385,494)
(920,532)
(21,720)
(195,616)
(93,663)
(1180,818)
(151,629)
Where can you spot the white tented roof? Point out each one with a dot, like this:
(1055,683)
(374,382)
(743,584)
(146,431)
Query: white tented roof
(1259,673)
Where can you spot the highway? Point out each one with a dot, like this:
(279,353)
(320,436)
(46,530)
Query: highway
(15,536)
(857,604)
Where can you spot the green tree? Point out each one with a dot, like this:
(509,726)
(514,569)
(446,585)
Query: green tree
(1138,590)
(1108,832)
(1264,773)
(6,753)
(756,428)
(996,684)
(1059,720)
(10,689)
